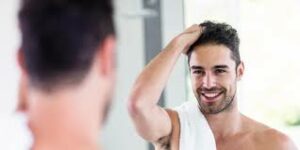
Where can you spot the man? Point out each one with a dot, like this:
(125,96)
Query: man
(215,66)
(67,71)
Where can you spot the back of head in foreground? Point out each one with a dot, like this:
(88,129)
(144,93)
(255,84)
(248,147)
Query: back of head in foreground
(67,63)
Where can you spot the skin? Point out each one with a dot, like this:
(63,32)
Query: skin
(71,116)
(231,129)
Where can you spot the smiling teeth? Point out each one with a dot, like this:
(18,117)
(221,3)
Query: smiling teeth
(210,95)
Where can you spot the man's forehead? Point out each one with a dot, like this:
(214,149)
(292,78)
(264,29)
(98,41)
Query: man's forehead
(211,56)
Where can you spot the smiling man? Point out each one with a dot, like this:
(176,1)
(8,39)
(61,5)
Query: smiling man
(214,122)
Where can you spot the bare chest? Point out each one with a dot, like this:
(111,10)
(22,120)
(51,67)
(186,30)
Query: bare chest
(239,143)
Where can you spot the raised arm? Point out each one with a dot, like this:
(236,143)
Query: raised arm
(152,121)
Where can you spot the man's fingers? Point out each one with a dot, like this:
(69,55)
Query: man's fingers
(191,35)
(193,28)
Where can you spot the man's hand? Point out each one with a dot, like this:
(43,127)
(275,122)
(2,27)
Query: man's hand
(188,37)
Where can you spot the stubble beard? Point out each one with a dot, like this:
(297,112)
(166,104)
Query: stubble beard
(224,104)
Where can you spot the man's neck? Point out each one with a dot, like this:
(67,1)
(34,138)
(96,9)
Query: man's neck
(65,142)
(68,119)
(226,123)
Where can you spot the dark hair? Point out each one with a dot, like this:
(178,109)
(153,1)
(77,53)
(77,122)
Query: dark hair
(61,37)
(218,33)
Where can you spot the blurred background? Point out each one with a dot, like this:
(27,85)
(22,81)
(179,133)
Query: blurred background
(269,32)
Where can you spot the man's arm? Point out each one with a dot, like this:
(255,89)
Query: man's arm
(152,122)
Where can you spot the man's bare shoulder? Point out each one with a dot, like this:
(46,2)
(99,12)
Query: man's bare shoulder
(268,137)
(273,139)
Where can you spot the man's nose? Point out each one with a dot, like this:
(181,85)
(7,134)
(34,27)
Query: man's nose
(209,81)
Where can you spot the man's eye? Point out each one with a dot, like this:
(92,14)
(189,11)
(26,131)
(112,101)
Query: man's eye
(198,72)
(218,71)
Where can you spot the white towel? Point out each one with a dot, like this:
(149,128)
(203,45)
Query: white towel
(195,133)
(14,133)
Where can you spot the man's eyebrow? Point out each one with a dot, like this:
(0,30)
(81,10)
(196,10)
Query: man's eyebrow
(221,67)
(197,67)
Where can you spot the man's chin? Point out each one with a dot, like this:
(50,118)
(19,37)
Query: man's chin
(209,110)
(211,107)
(216,108)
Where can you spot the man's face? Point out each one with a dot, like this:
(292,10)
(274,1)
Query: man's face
(214,77)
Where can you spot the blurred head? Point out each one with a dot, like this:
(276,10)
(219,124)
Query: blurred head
(215,66)
(66,45)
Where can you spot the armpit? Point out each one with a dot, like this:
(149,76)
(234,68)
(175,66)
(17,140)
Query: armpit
(163,143)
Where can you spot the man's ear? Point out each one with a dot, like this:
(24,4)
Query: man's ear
(240,71)
(106,56)
(22,103)
(21,61)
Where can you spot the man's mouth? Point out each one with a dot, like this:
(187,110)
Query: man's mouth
(211,96)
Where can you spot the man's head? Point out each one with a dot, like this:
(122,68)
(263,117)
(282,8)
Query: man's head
(67,48)
(60,39)
(215,66)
